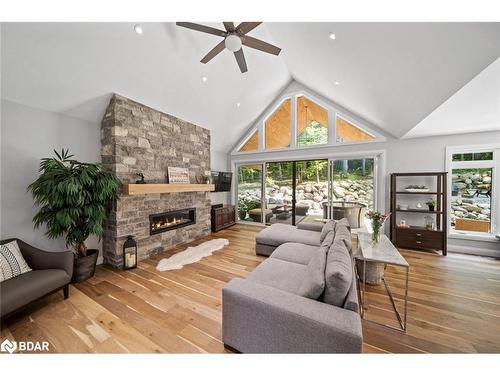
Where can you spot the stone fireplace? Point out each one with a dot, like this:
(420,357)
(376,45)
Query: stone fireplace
(138,139)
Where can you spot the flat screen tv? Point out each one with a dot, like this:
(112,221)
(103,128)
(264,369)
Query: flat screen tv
(222,180)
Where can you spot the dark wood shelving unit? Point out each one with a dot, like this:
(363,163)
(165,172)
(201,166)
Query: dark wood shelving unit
(418,237)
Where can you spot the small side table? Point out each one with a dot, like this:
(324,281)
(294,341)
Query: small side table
(386,253)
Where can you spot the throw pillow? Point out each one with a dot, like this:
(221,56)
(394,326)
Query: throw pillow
(328,227)
(343,232)
(313,284)
(12,263)
(338,274)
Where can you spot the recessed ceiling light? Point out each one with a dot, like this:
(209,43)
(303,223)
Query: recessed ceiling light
(332,36)
(336,83)
(138,29)
(238,104)
(204,79)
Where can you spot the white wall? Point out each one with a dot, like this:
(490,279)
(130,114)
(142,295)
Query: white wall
(28,134)
(401,155)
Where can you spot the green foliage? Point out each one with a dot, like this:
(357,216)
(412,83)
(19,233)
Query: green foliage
(431,202)
(473,156)
(248,174)
(72,198)
(313,134)
(245,204)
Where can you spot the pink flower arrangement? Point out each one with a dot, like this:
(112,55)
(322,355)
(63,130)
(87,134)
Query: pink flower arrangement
(377,216)
(378,219)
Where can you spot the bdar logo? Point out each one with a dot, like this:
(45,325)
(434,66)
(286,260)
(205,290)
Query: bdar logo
(8,346)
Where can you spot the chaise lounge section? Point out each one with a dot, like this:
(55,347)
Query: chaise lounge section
(277,234)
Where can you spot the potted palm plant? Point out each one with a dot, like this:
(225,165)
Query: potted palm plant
(73,198)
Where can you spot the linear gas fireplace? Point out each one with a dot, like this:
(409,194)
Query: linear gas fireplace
(171,220)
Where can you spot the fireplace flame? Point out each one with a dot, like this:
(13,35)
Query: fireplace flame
(161,223)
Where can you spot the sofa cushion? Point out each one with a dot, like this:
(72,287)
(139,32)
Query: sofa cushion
(12,262)
(313,283)
(278,234)
(338,274)
(25,288)
(327,228)
(279,274)
(343,232)
(295,252)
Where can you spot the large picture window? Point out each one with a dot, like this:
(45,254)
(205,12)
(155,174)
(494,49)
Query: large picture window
(473,206)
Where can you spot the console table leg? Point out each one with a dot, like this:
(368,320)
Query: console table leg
(406,296)
(364,288)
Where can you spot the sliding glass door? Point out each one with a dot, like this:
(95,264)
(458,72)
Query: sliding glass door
(279,192)
(311,189)
(249,199)
(288,192)
(295,189)
(352,189)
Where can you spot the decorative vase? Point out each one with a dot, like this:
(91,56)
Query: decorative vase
(431,208)
(376,231)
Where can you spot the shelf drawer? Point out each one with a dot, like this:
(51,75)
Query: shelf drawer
(420,239)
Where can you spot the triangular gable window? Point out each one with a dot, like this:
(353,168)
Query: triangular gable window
(348,132)
(252,144)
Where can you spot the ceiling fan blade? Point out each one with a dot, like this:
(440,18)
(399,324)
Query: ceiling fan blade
(246,27)
(240,58)
(213,52)
(229,26)
(260,45)
(202,28)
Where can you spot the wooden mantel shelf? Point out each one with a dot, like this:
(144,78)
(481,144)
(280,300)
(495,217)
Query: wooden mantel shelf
(139,189)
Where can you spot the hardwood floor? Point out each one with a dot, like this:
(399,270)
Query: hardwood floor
(454,306)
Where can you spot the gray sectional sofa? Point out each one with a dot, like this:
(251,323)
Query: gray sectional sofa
(302,299)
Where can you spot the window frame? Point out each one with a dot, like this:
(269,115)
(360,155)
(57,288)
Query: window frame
(333,111)
(494,164)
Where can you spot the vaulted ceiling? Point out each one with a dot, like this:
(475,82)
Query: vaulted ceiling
(393,75)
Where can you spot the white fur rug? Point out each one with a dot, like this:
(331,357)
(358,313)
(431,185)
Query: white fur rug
(191,255)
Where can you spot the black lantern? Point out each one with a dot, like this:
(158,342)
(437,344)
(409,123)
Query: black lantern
(129,253)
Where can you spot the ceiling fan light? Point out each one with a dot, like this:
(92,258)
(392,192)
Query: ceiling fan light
(233,42)
(138,29)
